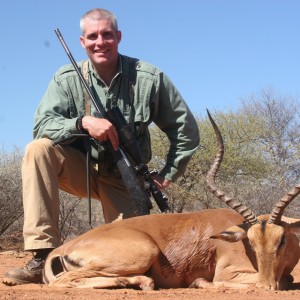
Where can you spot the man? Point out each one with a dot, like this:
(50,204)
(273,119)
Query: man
(63,111)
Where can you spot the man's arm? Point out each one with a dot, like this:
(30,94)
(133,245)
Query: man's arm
(172,115)
(58,109)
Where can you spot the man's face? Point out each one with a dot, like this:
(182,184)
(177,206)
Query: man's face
(100,41)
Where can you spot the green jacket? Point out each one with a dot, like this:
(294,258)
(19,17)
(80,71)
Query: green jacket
(144,95)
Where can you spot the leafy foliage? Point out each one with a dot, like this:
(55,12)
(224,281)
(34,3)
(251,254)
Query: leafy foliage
(261,156)
(261,163)
(11,209)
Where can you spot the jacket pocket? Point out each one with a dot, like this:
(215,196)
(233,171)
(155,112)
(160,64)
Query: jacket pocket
(142,117)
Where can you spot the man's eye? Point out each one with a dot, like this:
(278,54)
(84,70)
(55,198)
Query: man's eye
(92,37)
(108,35)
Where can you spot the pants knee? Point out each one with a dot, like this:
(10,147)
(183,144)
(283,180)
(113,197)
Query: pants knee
(38,146)
(37,152)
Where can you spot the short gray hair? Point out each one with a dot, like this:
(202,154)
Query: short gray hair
(98,14)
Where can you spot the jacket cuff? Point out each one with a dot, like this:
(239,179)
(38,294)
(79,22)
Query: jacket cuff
(169,172)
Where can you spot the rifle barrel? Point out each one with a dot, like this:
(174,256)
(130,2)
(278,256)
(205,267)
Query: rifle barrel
(86,86)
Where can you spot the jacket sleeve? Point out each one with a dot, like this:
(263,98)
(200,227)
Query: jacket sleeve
(57,113)
(172,115)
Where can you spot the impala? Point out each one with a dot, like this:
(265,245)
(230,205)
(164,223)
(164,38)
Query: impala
(210,248)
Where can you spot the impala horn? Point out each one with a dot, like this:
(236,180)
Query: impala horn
(248,215)
(282,204)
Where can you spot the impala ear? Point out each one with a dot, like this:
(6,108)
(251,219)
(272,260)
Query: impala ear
(233,234)
(292,224)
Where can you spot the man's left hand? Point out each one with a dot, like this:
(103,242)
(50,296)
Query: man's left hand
(161,182)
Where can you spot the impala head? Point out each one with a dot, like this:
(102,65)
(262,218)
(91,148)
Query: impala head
(270,237)
(269,242)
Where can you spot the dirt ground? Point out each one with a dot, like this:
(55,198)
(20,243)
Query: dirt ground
(12,259)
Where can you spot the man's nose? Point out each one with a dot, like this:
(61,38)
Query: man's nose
(100,39)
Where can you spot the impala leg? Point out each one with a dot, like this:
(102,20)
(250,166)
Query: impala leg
(143,282)
(202,283)
(76,279)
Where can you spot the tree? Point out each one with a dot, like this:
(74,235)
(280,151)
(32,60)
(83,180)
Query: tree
(73,210)
(240,162)
(11,209)
(278,140)
(261,155)
(261,163)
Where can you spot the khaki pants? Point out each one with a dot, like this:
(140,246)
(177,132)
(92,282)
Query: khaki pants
(45,170)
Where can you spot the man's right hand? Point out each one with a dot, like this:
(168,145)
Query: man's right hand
(101,130)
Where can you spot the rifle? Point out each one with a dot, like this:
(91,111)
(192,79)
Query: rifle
(132,175)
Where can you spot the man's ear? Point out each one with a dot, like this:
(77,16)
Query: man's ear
(233,234)
(119,36)
(82,41)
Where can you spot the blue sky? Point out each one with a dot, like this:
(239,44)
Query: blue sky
(215,51)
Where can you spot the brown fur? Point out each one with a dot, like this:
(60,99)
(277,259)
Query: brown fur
(175,251)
